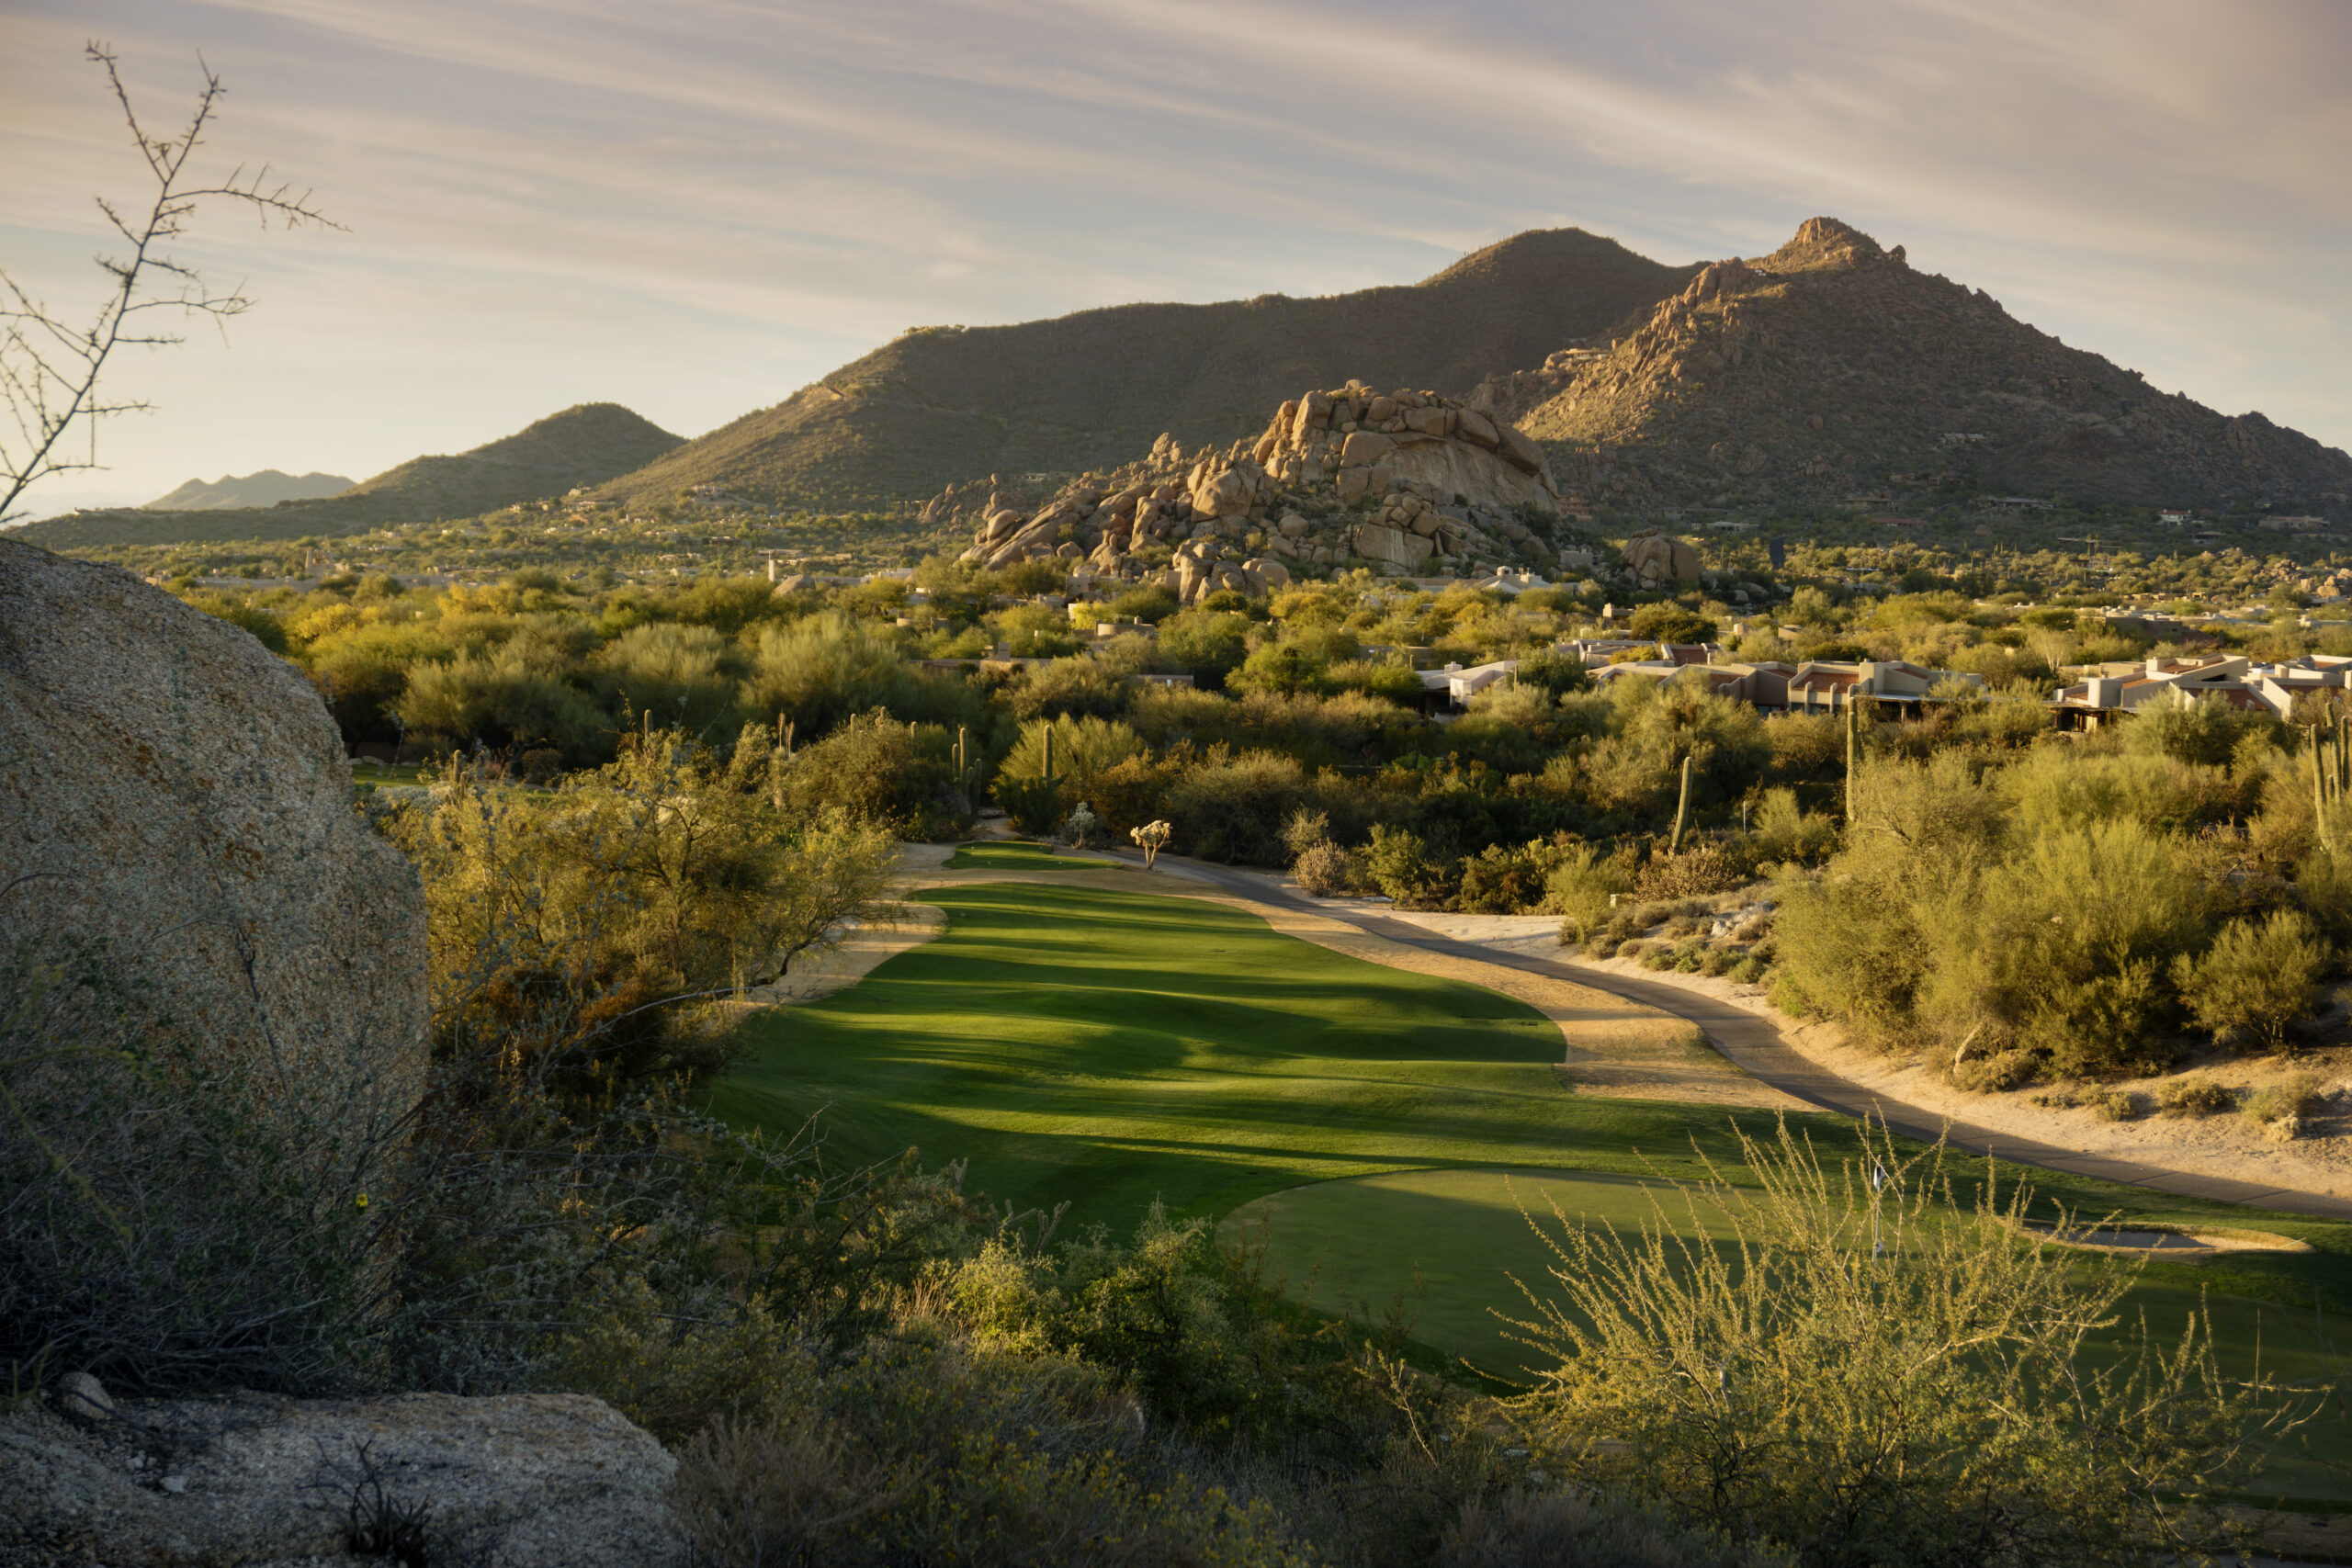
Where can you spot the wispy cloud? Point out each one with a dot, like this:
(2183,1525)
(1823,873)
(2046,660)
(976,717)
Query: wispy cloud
(696,207)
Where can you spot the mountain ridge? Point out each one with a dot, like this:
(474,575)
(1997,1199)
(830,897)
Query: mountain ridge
(583,444)
(1830,366)
(266,488)
(941,404)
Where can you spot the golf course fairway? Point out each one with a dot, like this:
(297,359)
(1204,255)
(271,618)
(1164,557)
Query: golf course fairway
(1104,1049)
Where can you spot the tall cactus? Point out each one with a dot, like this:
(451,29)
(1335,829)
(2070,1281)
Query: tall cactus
(1681,809)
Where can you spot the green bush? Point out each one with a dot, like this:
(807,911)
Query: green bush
(1583,889)
(1748,971)
(1785,1388)
(2288,1100)
(2259,979)
(2195,1096)
(1033,805)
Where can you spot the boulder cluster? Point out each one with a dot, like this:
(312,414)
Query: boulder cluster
(1398,480)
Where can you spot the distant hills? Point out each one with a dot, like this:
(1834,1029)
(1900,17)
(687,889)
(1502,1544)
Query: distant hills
(1827,371)
(586,445)
(1831,367)
(1094,388)
(266,488)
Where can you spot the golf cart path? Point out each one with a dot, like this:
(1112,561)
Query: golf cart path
(1754,1043)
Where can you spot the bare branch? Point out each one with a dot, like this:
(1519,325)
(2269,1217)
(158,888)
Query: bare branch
(50,393)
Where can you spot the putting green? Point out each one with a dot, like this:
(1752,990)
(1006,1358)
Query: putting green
(1020,855)
(1443,1244)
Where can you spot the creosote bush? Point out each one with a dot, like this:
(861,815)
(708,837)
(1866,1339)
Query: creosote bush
(1874,1369)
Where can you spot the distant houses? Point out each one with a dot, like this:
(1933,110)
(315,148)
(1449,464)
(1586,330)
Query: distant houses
(1815,685)
(2238,681)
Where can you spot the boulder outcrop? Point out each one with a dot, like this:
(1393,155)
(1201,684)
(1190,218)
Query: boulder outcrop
(530,1481)
(1397,478)
(1657,559)
(175,801)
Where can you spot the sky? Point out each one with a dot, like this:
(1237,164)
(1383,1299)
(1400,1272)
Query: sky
(697,207)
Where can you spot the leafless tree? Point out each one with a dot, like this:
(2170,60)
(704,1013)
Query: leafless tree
(49,367)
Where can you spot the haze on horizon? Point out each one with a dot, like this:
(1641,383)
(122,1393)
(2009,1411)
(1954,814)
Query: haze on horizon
(697,208)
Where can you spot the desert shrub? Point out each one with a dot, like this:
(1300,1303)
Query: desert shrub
(1067,688)
(1634,948)
(1669,622)
(2193,1096)
(1083,750)
(1574,1528)
(684,676)
(1231,807)
(1208,643)
(1660,958)
(1784,831)
(818,670)
(2118,1105)
(1502,879)
(1715,961)
(1553,671)
(2258,979)
(1997,1072)
(1403,865)
(2287,1099)
(1131,793)
(1584,886)
(872,767)
(1748,971)
(263,627)
(569,925)
(2177,726)
(510,697)
(1874,1374)
(1326,871)
(1701,868)
(1375,678)
(1032,805)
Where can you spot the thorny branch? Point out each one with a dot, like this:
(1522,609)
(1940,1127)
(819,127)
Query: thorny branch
(49,370)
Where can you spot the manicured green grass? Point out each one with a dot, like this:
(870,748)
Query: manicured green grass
(1447,1244)
(1017,854)
(1107,1048)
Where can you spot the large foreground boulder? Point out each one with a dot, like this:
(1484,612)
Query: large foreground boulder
(175,809)
(526,1481)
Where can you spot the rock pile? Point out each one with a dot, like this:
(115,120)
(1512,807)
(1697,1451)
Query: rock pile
(1400,479)
(1657,559)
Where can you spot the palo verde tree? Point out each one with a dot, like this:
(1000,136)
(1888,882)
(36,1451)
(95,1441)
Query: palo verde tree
(51,366)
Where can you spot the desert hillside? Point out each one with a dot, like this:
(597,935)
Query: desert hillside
(1089,389)
(585,445)
(1831,365)
(266,488)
